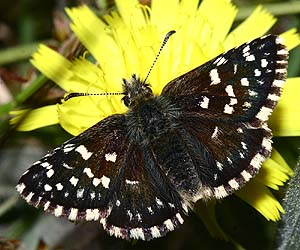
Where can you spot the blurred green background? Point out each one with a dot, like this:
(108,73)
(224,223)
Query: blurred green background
(24,24)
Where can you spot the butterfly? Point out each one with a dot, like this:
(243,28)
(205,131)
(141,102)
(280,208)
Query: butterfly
(139,173)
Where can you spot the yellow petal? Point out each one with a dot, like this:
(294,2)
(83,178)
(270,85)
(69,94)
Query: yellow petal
(131,13)
(281,163)
(98,39)
(259,196)
(218,24)
(291,38)
(36,118)
(256,25)
(271,175)
(80,113)
(53,65)
(285,120)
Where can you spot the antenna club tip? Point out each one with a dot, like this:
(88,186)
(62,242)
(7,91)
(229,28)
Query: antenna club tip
(171,32)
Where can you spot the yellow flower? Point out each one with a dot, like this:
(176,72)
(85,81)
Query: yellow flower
(126,42)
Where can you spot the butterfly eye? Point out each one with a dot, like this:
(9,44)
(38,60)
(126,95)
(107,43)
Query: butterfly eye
(126,100)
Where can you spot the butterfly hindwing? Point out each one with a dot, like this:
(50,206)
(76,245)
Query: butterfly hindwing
(145,202)
(242,84)
(234,154)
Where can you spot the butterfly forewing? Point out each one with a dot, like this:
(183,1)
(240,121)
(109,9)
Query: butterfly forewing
(76,179)
(242,84)
(101,175)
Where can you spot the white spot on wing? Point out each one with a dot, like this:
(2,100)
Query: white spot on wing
(46,165)
(169,224)
(233,101)
(257,160)
(234,184)
(252,93)
(204,102)
(229,90)
(244,82)
(111,157)
(79,193)
(92,195)
(250,58)
(82,150)
(137,233)
(282,52)
(257,72)
(246,49)
(155,232)
(130,215)
(50,172)
(234,68)
(220,192)
(73,180)
(20,187)
(29,197)
(92,214)
(278,83)
(59,186)
(215,132)
(267,143)
(214,76)
(221,61)
(73,214)
(150,210)
(159,202)
(273,97)
(58,211)
(264,63)
(96,182)
(105,181)
(264,113)
(88,172)
(179,218)
(246,175)
(46,206)
(67,166)
(129,182)
(47,188)
(228,109)
(219,165)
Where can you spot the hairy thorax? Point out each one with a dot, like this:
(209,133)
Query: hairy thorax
(149,120)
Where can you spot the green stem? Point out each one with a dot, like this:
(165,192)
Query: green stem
(23,95)
(277,9)
(21,52)
(8,204)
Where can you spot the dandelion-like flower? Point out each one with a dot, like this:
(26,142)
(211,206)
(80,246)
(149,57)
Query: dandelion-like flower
(126,41)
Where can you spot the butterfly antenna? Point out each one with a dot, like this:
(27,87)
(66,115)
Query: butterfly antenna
(71,95)
(170,33)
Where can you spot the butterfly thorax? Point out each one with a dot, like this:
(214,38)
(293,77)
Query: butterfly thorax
(149,117)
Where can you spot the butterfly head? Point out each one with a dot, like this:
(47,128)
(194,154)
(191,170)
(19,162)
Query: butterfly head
(135,91)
